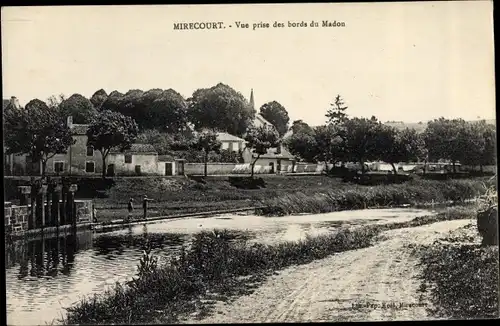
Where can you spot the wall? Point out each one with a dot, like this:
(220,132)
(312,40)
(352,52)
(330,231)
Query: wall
(148,162)
(231,168)
(236,145)
(212,168)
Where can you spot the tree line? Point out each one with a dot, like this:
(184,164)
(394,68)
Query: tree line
(351,139)
(186,128)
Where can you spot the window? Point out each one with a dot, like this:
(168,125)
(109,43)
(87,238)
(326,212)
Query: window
(90,167)
(231,146)
(58,166)
(128,158)
(90,151)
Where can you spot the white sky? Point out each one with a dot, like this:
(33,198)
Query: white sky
(398,61)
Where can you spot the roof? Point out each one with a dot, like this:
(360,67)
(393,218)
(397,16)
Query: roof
(166,158)
(224,136)
(258,116)
(271,153)
(137,148)
(78,129)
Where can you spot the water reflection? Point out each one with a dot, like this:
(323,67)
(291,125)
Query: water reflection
(45,257)
(45,275)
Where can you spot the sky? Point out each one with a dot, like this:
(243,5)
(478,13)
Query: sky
(407,62)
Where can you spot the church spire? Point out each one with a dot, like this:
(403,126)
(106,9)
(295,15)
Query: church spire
(252,104)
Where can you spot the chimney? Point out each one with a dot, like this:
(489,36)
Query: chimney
(69,122)
(15,102)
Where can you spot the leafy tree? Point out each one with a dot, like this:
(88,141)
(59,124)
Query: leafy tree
(336,114)
(220,108)
(446,139)
(489,155)
(480,139)
(165,110)
(166,143)
(98,98)
(330,146)
(111,130)
(299,126)
(260,139)
(79,107)
(275,113)
(361,139)
(207,142)
(302,142)
(302,145)
(38,130)
(55,101)
(394,146)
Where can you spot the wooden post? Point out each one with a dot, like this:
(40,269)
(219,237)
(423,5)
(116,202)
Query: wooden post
(40,210)
(31,218)
(72,190)
(48,211)
(64,194)
(56,212)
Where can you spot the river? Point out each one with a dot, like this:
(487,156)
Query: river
(45,275)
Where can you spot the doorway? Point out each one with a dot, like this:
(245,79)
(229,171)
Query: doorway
(168,168)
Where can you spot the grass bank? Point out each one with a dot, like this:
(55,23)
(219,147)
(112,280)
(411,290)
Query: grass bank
(358,197)
(217,264)
(281,195)
(461,277)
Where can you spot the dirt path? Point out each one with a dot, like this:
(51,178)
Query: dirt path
(371,284)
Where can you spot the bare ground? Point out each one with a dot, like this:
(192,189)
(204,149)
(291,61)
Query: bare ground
(371,284)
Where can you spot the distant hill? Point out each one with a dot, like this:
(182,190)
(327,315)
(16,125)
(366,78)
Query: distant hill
(420,126)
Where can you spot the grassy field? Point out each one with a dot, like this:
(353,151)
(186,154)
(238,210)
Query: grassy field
(217,264)
(280,195)
(461,276)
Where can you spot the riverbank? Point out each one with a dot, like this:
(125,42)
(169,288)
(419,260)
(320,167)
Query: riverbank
(216,265)
(281,195)
(460,277)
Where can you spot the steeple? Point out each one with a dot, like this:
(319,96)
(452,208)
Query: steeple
(252,104)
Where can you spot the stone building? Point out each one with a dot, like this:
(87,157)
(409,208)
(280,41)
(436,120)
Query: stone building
(140,159)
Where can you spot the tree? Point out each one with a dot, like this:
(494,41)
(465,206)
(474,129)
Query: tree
(330,146)
(166,143)
(220,108)
(394,146)
(275,113)
(207,142)
(165,110)
(336,114)
(480,144)
(260,139)
(488,156)
(38,130)
(302,145)
(79,107)
(55,101)
(111,130)
(300,126)
(98,98)
(446,139)
(360,140)
(302,142)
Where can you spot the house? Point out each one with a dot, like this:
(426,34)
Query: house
(230,142)
(278,158)
(140,159)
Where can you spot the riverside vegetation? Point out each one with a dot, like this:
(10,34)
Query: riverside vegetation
(276,195)
(217,265)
